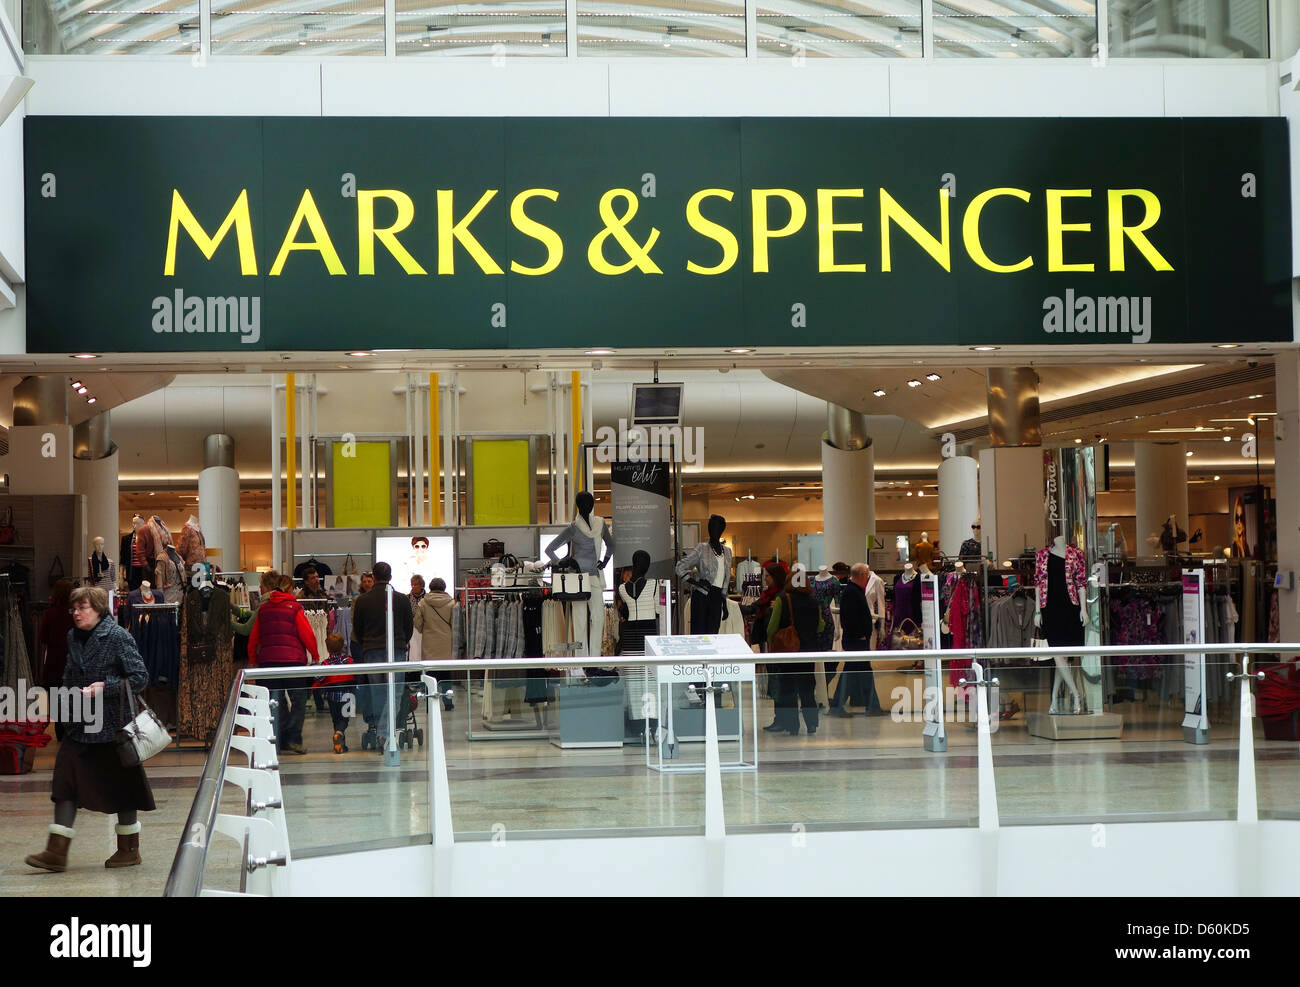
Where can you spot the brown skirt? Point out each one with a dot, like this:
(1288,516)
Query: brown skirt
(92,776)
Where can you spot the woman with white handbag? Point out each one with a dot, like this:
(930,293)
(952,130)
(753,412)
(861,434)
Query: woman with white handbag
(90,771)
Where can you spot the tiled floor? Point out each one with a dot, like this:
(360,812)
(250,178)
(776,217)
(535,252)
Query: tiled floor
(862,770)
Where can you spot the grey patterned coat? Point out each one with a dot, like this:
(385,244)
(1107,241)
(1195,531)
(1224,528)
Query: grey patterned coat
(108,656)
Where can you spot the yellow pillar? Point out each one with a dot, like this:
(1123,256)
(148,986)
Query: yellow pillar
(435,453)
(575,417)
(290,459)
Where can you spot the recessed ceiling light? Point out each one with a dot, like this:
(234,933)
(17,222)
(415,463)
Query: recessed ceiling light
(360,353)
(1078,441)
(85,356)
(1254,397)
(601,351)
(920,493)
(913,383)
(879,392)
(1227,438)
(985,349)
(909,493)
(1226,346)
(1216,476)
(76,384)
(82,389)
(932,377)
(90,400)
(741,350)
(1189,453)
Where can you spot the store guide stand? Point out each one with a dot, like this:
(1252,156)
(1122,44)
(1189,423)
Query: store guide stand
(714,659)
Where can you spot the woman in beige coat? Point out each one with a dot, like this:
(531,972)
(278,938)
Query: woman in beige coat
(433,619)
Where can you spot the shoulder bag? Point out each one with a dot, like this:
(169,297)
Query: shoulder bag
(786,639)
(144,734)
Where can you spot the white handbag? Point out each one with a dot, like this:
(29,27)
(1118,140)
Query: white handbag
(144,735)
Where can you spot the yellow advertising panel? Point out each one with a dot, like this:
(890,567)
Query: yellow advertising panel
(501,482)
(361,472)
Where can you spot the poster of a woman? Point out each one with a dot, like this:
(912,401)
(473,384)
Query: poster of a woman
(1240,529)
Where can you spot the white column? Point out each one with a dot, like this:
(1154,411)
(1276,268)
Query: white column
(959,501)
(1012,496)
(1160,471)
(1286,472)
(848,502)
(219,515)
(97,480)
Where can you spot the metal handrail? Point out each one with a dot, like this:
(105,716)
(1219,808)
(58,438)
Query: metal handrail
(186,877)
(767,658)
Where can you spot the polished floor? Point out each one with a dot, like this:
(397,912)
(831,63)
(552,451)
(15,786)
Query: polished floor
(857,771)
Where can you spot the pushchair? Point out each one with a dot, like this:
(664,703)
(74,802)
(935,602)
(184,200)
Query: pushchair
(409,731)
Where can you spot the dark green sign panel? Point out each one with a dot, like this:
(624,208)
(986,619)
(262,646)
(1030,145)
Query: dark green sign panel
(161,234)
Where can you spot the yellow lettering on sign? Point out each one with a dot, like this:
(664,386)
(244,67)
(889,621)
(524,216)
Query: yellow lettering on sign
(970,230)
(367,234)
(762,231)
(530,227)
(1118,231)
(238,217)
(1056,228)
(320,241)
(937,247)
(450,232)
(714,231)
(827,228)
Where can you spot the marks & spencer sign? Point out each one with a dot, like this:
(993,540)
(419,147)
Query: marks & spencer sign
(174,234)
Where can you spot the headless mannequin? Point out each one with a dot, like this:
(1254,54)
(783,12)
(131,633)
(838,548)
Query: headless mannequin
(909,572)
(924,552)
(146,591)
(588,615)
(823,574)
(640,595)
(136,573)
(708,598)
(1064,674)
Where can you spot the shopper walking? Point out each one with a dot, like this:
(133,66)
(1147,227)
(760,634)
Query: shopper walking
(370,624)
(433,616)
(102,661)
(793,685)
(861,607)
(281,637)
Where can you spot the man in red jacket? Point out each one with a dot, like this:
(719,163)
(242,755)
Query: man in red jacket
(280,637)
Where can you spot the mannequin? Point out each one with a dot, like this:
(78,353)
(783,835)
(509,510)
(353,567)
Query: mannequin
(924,552)
(638,599)
(139,552)
(192,547)
(100,569)
(584,536)
(708,567)
(971,548)
(824,573)
(907,596)
(908,573)
(1061,610)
